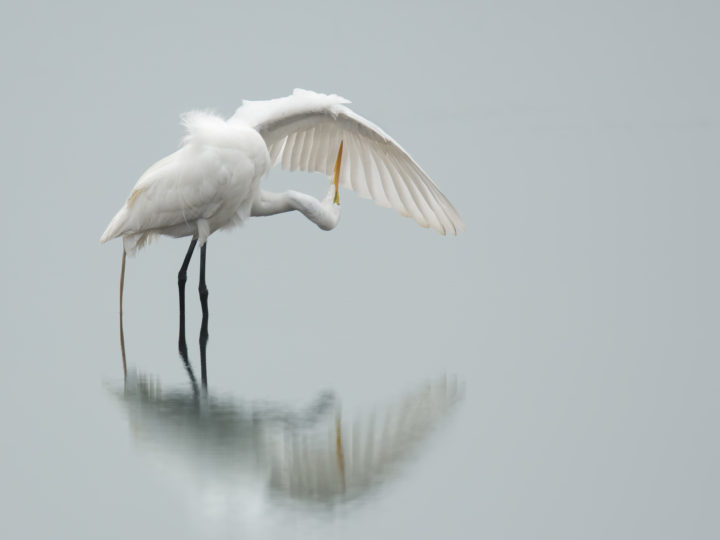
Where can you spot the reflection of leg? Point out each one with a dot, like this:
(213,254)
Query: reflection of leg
(182,278)
(204,327)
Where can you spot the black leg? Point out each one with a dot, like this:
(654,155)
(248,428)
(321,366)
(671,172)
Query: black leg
(182,278)
(204,327)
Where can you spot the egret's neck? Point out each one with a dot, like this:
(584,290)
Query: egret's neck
(325,214)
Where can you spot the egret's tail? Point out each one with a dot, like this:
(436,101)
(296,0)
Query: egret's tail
(116,226)
(133,242)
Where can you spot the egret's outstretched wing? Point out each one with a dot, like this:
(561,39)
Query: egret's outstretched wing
(303,132)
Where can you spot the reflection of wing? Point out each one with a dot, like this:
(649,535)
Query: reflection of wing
(345,460)
(223,450)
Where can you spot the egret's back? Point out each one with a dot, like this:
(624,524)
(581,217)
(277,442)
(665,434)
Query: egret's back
(208,184)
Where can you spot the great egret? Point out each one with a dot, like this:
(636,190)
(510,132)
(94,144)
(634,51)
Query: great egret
(213,181)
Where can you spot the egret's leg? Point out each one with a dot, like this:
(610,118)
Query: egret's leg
(182,278)
(122,333)
(204,327)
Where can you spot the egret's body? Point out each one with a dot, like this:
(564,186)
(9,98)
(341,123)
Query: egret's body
(209,183)
(213,181)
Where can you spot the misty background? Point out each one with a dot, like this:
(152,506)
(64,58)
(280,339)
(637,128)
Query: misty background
(578,140)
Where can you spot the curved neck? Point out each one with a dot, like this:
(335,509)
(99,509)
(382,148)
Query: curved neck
(323,213)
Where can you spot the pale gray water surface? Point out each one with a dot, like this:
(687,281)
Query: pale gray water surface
(579,140)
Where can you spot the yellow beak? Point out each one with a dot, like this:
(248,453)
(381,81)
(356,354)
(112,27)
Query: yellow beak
(336,178)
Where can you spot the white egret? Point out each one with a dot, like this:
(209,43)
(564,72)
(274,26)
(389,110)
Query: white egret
(213,181)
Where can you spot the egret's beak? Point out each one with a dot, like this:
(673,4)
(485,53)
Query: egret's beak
(336,178)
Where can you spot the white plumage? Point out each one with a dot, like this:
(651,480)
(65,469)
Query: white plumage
(209,183)
(213,180)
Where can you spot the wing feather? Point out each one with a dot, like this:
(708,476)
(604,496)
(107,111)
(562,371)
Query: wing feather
(308,150)
(287,151)
(430,208)
(391,188)
(358,179)
(403,188)
(303,132)
(297,151)
(275,150)
(321,151)
(377,191)
(346,176)
(404,181)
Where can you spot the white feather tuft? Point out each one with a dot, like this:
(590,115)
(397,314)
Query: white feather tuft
(201,126)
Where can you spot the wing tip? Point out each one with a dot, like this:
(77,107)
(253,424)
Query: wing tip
(458,227)
(455,228)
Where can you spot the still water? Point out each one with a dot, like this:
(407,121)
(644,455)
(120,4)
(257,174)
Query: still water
(579,311)
(105,458)
(241,461)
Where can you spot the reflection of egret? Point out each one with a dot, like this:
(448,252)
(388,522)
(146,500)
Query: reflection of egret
(233,456)
(213,181)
